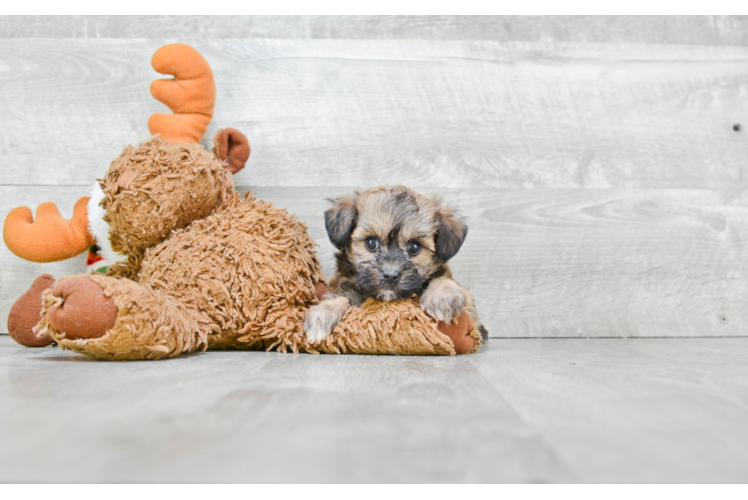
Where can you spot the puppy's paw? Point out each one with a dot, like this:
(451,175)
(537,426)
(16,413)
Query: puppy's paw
(443,303)
(320,321)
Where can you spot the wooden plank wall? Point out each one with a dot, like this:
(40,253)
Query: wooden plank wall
(597,159)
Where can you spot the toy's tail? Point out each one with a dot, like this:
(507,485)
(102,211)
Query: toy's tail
(191,94)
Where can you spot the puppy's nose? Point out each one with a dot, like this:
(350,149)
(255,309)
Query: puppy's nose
(390,275)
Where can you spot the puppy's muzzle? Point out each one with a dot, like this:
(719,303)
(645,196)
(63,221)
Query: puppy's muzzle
(390,276)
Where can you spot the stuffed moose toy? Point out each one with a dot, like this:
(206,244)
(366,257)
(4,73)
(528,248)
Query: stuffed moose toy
(191,263)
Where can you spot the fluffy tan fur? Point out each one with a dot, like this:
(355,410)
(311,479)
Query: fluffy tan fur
(399,327)
(155,188)
(392,243)
(208,268)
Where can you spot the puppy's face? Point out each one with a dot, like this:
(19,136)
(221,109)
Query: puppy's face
(392,240)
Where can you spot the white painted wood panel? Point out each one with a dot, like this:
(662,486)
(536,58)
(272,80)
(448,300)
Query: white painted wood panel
(427,113)
(544,263)
(604,182)
(682,30)
(589,263)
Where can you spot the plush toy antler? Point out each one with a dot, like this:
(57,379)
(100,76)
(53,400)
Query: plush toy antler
(50,238)
(191,95)
(160,213)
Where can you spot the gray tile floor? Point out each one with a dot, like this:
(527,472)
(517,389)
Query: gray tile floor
(544,410)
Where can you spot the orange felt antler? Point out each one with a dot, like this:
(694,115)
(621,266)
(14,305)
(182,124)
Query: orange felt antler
(50,238)
(191,95)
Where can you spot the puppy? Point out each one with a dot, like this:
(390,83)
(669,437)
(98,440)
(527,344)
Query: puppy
(392,243)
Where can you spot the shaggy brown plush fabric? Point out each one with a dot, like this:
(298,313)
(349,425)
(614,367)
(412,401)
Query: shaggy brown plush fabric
(400,327)
(251,268)
(208,268)
(205,268)
(148,325)
(157,187)
(243,278)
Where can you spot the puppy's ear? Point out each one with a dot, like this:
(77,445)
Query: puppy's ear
(451,232)
(340,220)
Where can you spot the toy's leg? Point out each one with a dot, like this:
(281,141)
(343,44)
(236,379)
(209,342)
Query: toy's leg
(26,313)
(473,312)
(463,333)
(112,318)
(81,309)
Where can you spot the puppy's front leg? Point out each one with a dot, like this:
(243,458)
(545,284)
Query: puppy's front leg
(443,299)
(322,318)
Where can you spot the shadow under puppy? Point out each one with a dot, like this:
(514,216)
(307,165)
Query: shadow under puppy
(393,243)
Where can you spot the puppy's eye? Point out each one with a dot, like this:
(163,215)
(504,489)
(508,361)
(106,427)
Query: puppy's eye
(414,248)
(371,243)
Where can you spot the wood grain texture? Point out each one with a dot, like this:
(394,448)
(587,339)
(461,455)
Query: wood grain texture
(260,417)
(681,30)
(604,182)
(585,263)
(544,410)
(425,113)
(631,411)
(544,263)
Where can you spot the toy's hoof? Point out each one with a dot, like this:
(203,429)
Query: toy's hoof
(458,332)
(85,312)
(26,313)
(321,289)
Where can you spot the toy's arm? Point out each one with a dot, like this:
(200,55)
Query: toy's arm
(191,94)
(50,238)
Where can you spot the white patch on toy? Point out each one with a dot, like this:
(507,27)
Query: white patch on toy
(100,229)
